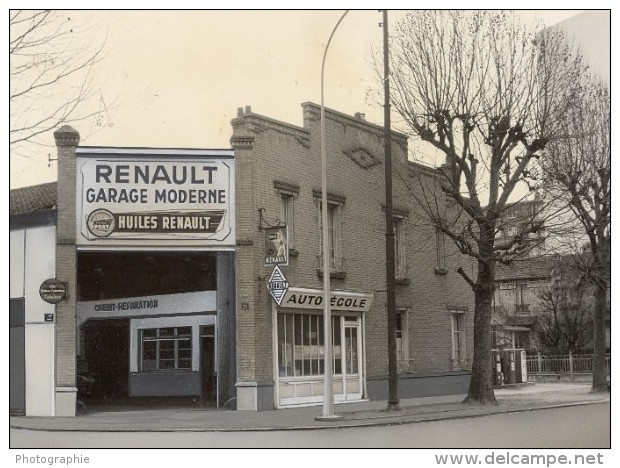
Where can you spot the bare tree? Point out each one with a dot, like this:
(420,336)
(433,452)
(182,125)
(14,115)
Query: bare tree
(565,320)
(487,93)
(51,75)
(578,169)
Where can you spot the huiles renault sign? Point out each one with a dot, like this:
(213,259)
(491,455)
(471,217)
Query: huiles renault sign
(136,196)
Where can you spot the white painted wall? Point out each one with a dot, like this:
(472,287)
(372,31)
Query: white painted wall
(40,369)
(33,254)
(40,265)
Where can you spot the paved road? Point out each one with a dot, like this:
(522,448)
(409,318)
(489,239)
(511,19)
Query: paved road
(569,427)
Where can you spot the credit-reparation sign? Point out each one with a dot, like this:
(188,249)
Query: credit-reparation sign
(138,196)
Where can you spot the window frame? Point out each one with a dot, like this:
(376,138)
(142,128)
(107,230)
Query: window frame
(176,338)
(440,247)
(287,215)
(334,218)
(287,192)
(458,339)
(311,358)
(400,248)
(522,298)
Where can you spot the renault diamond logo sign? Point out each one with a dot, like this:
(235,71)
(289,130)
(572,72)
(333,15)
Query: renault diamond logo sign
(277,285)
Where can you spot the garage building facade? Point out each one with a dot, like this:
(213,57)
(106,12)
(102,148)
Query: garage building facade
(167,268)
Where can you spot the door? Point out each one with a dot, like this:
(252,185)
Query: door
(208,394)
(17,359)
(106,352)
(352,359)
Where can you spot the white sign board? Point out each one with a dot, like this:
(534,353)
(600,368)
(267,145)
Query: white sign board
(148,306)
(301,298)
(128,196)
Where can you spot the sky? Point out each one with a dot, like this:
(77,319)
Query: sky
(176,78)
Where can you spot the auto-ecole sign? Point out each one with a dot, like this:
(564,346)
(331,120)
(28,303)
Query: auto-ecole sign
(134,196)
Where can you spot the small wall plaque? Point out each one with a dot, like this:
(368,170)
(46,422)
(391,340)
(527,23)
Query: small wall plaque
(53,291)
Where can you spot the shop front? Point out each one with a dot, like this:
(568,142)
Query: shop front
(300,346)
(155,240)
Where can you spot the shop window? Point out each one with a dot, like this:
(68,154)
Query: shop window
(457,325)
(300,345)
(165,349)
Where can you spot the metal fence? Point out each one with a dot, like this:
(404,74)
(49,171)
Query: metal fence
(567,364)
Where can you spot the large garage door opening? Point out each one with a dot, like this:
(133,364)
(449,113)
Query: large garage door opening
(147,328)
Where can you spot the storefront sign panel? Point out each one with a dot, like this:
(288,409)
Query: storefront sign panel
(134,199)
(300,298)
(163,304)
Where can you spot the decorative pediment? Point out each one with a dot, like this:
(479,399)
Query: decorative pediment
(362,157)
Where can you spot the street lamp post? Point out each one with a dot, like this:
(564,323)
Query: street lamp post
(328,391)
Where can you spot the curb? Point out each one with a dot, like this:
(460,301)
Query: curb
(369,422)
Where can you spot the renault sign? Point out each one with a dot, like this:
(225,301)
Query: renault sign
(128,196)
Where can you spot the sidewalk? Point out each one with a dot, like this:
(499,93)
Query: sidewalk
(365,413)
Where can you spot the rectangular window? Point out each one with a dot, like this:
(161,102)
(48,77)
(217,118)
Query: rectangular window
(287,215)
(521,301)
(441,252)
(457,322)
(301,346)
(400,255)
(402,342)
(336,262)
(166,349)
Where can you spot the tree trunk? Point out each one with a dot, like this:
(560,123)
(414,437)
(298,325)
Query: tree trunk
(481,383)
(599,374)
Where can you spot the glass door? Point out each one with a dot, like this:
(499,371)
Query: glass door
(352,353)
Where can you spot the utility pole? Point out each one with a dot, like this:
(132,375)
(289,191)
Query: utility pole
(390,265)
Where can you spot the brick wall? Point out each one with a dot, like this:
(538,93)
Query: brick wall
(268,150)
(67,140)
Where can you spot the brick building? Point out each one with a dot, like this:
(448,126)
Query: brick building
(233,345)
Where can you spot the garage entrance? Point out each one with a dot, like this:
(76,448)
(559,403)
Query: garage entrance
(147,328)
